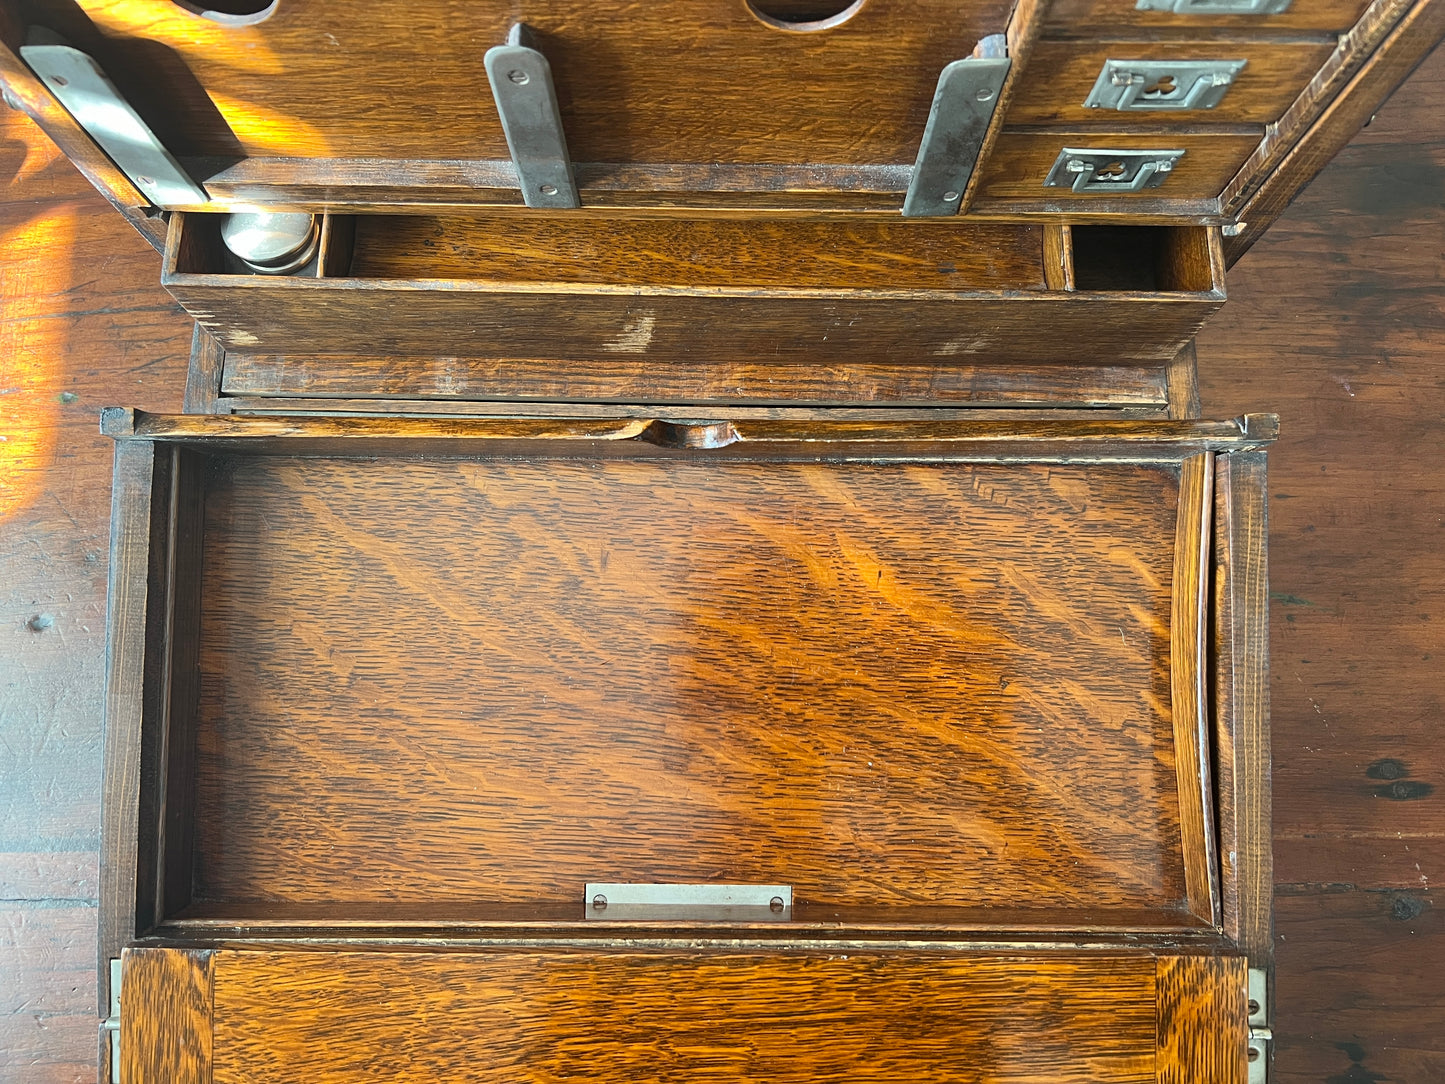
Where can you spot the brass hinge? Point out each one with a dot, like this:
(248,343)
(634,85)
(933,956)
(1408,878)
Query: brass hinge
(110,1026)
(1260,1035)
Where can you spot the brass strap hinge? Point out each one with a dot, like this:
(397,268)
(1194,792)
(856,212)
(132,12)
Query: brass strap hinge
(1260,1034)
(110,1026)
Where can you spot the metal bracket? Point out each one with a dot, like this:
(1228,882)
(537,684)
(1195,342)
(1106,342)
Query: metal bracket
(526,101)
(1098,170)
(80,85)
(1148,85)
(615,902)
(1260,1035)
(963,106)
(1215,7)
(110,1026)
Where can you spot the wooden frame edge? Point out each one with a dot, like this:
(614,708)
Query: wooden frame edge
(1188,685)
(1241,701)
(167,1015)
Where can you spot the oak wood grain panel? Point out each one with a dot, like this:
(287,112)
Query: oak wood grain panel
(1202,1020)
(1188,642)
(449,379)
(897,254)
(581,324)
(695,81)
(535,1016)
(495,681)
(1084,17)
(1241,699)
(1062,73)
(166,1016)
(1022,160)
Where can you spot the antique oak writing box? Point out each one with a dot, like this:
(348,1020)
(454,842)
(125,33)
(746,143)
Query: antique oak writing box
(691,553)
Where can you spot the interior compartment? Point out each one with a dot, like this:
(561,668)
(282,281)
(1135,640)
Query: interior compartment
(1141,258)
(544,291)
(456,690)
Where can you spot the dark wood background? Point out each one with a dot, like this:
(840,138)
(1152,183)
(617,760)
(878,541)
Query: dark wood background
(1334,321)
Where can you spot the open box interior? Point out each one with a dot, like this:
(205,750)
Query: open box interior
(439,691)
(877,252)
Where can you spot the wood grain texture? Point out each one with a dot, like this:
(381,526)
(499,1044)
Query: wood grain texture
(1343,101)
(1083,17)
(135,618)
(898,254)
(1058,257)
(662,412)
(959,380)
(1013,178)
(1189,704)
(1194,989)
(653,654)
(1062,73)
(166,1016)
(700,81)
(1059,1018)
(204,374)
(1182,382)
(1241,699)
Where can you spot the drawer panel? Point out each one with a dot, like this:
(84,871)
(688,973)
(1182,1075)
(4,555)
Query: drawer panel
(233,1016)
(1014,174)
(1061,74)
(934,675)
(1084,16)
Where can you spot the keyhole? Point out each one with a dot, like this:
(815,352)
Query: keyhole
(1112,172)
(1161,87)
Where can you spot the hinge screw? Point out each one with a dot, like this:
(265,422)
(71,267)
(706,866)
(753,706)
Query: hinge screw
(518,76)
(599,902)
(776,904)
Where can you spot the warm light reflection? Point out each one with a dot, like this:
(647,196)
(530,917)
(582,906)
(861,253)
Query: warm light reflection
(265,131)
(40,152)
(191,35)
(220,57)
(34,274)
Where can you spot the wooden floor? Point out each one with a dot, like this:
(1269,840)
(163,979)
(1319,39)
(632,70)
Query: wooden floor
(1335,321)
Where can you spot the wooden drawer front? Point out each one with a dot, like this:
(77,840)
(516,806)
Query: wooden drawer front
(567,293)
(1014,174)
(1060,75)
(238,1016)
(1085,16)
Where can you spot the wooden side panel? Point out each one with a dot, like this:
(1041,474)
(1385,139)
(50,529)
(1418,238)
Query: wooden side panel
(492,1018)
(888,685)
(1202,1020)
(1241,697)
(134,692)
(1188,640)
(949,254)
(166,1016)
(449,380)
(540,325)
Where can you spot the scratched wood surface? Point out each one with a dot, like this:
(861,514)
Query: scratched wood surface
(1061,1018)
(850,678)
(1346,290)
